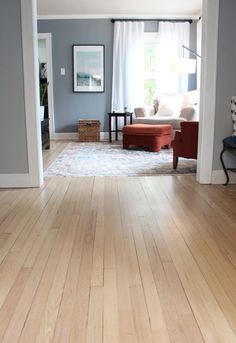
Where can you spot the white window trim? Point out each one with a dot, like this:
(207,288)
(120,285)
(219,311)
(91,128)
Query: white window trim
(150,37)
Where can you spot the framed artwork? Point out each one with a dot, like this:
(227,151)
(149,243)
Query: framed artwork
(88,68)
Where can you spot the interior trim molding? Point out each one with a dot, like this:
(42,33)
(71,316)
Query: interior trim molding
(104,136)
(31,92)
(57,136)
(74,136)
(109,16)
(14,180)
(218,177)
(210,20)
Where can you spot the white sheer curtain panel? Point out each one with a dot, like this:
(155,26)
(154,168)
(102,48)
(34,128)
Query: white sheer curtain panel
(128,66)
(171,38)
(199,51)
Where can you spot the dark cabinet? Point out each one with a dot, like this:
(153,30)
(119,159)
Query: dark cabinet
(44,102)
(45,133)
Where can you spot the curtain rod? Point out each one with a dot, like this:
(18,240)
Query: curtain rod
(171,20)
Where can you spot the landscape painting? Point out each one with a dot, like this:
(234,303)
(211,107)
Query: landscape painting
(88,68)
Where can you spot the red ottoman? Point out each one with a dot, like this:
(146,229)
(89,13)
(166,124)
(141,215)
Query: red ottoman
(147,135)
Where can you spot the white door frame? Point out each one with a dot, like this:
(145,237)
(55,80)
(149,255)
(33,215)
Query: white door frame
(210,18)
(31,92)
(48,39)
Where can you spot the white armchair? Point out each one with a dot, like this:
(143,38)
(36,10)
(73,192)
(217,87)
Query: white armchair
(168,110)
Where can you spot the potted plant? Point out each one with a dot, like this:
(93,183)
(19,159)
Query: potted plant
(43,87)
(43,98)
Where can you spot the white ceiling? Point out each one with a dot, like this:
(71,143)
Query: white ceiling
(115,8)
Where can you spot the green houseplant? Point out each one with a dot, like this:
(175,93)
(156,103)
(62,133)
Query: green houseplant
(43,94)
(43,98)
(43,89)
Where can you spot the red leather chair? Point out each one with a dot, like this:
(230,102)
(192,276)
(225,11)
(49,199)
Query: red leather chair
(185,142)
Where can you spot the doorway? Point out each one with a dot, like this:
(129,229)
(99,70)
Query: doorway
(208,91)
(46,79)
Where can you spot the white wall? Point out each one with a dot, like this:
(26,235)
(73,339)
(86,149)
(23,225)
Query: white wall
(42,50)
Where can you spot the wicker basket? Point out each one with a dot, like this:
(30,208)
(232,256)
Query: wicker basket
(89,130)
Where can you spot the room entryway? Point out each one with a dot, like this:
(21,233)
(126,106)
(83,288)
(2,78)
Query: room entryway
(46,88)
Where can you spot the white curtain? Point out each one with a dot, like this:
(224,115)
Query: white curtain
(199,51)
(128,66)
(171,37)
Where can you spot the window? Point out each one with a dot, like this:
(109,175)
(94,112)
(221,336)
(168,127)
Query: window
(150,66)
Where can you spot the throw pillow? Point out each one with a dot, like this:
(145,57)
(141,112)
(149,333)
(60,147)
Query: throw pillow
(140,112)
(170,105)
(187,113)
(165,110)
(233,112)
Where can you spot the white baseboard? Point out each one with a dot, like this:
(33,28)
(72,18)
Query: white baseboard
(74,136)
(218,177)
(15,181)
(104,136)
(61,136)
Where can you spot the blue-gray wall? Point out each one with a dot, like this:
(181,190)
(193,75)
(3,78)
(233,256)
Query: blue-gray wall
(226,79)
(13,146)
(192,78)
(69,106)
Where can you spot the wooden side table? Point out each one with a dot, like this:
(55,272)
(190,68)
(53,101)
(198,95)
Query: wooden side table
(117,115)
(229,144)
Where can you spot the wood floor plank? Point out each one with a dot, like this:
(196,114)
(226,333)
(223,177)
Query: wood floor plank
(79,317)
(39,301)
(197,289)
(109,252)
(98,251)
(8,308)
(140,314)
(95,316)
(10,202)
(47,326)
(30,236)
(212,264)
(61,332)
(23,226)
(16,324)
(158,325)
(127,332)
(173,300)
(111,323)
(118,259)
(152,298)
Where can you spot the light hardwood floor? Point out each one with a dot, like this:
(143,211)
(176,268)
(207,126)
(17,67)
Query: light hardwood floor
(118,260)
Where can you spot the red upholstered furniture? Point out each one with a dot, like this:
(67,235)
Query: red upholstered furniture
(147,135)
(185,142)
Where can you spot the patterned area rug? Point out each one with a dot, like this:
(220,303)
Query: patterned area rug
(98,159)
